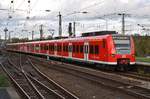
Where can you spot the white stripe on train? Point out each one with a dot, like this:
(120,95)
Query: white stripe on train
(79,59)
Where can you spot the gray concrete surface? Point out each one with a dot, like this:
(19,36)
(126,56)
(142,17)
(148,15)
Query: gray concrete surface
(8,93)
(143,63)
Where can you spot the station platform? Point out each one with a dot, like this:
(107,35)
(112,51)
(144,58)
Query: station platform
(8,93)
(143,63)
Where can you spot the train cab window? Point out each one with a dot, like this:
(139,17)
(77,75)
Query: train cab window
(96,49)
(91,49)
(81,48)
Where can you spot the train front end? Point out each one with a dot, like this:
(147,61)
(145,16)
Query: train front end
(122,51)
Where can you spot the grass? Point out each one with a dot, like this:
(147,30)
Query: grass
(142,59)
(3,81)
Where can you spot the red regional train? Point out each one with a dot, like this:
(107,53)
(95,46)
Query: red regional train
(109,49)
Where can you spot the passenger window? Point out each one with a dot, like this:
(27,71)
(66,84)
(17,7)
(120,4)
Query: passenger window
(64,49)
(41,47)
(60,48)
(45,47)
(37,47)
(91,49)
(73,48)
(81,48)
(49,47)
(104,43)
(96,49)
(55,47)
(77,48)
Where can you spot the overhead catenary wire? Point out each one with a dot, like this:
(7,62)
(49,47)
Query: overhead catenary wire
(93,5)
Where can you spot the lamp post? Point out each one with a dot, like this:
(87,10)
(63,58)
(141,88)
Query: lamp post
(32,35)
(74,23)
(60,24)
(5,30)
(9,37)
(123,21)
(41,31)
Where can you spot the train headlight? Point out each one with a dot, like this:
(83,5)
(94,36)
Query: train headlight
(123,56)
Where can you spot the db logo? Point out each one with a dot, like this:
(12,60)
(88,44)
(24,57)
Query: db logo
(123,56)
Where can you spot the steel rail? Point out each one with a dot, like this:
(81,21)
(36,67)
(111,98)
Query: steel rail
(37,84)
(59,87)
(25,95)
(133,90)
(22,83)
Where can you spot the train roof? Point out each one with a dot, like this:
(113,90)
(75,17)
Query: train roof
(97,33)
(67,39)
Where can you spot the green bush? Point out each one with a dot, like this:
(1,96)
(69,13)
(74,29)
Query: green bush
(3,81)
(142,45)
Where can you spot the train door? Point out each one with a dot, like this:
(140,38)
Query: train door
(70,50)
(86,51)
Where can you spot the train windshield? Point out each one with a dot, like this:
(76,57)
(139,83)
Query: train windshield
(122,44)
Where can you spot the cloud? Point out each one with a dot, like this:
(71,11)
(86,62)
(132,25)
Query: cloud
(98,11)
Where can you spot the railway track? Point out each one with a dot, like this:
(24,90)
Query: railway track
(126,74)
(131,89)
(24,85)
(134,75)
(45,85)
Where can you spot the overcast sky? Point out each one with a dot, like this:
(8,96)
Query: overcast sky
(98,12)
